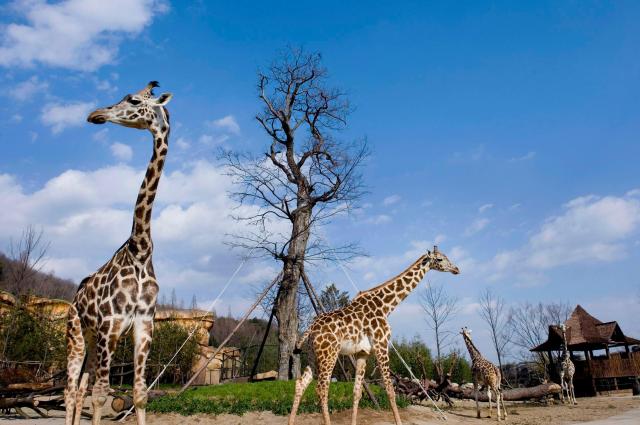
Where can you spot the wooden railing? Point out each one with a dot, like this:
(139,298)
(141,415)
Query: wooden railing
(617,365)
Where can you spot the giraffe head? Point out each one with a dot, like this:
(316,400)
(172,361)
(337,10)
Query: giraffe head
(139,110)
(436,260)
(466,332)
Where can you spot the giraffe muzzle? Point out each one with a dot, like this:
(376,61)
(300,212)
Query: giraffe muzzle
(97,117)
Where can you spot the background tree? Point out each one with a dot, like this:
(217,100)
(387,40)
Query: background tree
(529,324)
(439,309)
(332,298)
(417,355)
(305,177)
(493,312)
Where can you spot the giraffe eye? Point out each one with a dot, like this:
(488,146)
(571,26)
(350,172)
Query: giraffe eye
(133,101)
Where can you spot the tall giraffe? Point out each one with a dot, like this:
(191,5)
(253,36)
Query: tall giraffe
(122,293)
(359,328)
(567,370)
(486,373)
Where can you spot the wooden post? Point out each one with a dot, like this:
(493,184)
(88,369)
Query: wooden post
(607,350)
(588,354)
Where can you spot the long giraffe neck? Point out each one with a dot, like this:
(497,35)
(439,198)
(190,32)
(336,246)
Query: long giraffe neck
(140,241)
(565,347)
(473,351)
(395,290)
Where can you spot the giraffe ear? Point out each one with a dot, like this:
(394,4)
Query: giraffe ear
(164,98)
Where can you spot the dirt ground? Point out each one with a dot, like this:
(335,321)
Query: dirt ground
(588,409)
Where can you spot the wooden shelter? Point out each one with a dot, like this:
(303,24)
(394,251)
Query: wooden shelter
(605,358)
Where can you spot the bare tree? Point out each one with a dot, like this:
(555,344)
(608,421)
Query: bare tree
(493,312)
(305,177)
(440,309)
(28,255)
(529,324)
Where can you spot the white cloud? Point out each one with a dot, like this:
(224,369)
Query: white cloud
(209,140)
(378,219)
(61,116)
(589,229)
(74,34)
(16,118)
(390,200)
(121,151)
(526,157)
(28,88)
(86,217)
(484,208)
(227,123)
(182,143)
(476,226)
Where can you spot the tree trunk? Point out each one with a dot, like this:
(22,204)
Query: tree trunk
(287,303)
(516,394)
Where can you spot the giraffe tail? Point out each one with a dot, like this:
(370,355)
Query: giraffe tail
(301,340)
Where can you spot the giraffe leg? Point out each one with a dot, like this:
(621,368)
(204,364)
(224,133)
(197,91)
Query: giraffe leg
(497,392)
(573,394)
(75,357)
(475,391)
(361,365)
(106,342)
(143,334)
(325,367)
(301,385)
(562,384)
(504,408)
(382,356)
(489,397)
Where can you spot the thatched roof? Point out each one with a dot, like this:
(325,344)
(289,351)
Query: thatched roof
(585,332)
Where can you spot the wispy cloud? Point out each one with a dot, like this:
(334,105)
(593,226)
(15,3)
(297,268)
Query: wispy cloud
(28,89)
(60,116)
(227,124)
(484,208)
(589,229)
(526,157)
(121,151)
(390,200)
(476,226)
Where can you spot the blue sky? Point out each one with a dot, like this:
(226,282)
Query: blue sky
(505,131)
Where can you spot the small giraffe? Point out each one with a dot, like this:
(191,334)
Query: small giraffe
(122,293)
(485,373)
(567,370)
(359,328)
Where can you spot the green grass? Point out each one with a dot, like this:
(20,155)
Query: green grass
(274,396)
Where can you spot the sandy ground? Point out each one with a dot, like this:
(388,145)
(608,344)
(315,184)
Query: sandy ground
(607,410)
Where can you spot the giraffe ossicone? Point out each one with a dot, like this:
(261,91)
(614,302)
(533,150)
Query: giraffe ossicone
(360,328)
(122,294)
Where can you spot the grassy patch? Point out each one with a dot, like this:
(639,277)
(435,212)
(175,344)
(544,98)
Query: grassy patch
(274,396)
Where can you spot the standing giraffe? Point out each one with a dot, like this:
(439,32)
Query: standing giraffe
(358,328)
(486,373)
(122,293)
(567,370)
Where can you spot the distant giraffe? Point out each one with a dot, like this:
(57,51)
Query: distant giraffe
(567,370)
(122,293)
(486,373)
(359,328)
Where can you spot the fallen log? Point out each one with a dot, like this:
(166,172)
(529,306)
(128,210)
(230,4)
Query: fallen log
(516,394)
(124,402)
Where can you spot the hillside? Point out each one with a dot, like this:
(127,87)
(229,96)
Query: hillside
(18,280)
